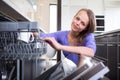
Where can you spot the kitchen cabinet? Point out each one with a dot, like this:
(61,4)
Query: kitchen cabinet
(119,48)
(102,48)
(112,61)
(108,50)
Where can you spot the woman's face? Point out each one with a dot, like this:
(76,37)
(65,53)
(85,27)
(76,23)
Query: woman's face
(80,22)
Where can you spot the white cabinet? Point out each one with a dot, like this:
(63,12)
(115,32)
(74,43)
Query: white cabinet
(74,2)
(97,6)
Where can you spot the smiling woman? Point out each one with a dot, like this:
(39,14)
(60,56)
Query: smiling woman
(77,42)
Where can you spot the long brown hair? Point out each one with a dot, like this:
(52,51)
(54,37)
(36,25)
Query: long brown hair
(91,25)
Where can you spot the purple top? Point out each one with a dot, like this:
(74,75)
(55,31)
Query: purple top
(62,38)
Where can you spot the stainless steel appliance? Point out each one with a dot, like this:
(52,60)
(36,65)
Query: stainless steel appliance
(19,59)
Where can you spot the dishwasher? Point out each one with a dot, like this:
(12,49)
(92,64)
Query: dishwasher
(19,59)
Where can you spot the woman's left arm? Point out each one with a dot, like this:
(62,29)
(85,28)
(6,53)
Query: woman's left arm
(79,50)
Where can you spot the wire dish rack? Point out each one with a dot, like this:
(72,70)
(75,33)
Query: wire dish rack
(24,51)
(6,38)
(12,48)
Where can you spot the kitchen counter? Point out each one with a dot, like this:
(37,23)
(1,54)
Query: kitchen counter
(109,32)
(108,50)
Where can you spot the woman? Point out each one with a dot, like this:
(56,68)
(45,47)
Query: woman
(79,41)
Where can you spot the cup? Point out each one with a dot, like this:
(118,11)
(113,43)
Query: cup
(37,45)
(25,36)
(85,60)
(50,51)
(68,66)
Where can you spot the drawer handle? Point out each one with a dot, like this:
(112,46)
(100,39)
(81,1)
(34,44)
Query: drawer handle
(111,44)
(119,67)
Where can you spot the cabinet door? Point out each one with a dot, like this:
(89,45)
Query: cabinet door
(101,51)
(118,54)
(101,39)
(118,77)
(112,38)
(112,61)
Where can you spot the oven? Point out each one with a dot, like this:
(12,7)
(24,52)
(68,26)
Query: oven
(100,24)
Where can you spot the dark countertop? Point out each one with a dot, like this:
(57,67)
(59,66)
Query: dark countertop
(109,32)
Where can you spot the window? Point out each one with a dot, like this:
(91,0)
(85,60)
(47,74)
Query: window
(53,17)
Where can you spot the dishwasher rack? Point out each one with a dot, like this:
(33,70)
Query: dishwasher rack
(23,51)
(12,48)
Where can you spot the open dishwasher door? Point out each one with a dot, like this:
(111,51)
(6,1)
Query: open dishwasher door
(96,72)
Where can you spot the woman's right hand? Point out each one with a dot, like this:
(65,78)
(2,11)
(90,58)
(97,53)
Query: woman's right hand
(53,42)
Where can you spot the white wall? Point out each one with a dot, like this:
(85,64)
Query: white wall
(42,14)
(112,19)
(112,15)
